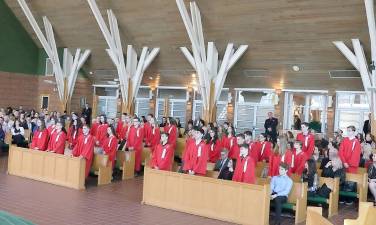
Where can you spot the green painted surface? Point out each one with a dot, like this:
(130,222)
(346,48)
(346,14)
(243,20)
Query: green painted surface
(18,52)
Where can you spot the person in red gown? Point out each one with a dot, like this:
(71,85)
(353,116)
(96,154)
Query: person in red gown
(264,148)
(214,146)
(189,141)
(75,130)
(110,145)
(57,140)
(162,155)
(147,129)
(275,158)
(120,124)
(172,131)
(155,134)
(307,139)
(51,127)
(287,156)
(101,131)
(229,141)
(94,126)
(40,137)
(135,142)
(85,148)
(349,151)
(252,151)
(299,160)
(245,167)
(197,154)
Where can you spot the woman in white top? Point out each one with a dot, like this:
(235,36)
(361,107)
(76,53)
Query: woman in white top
(18,134)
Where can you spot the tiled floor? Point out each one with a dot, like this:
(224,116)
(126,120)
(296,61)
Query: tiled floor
(117,203)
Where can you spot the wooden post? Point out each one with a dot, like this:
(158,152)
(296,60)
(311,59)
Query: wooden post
(95,106)
(166,112)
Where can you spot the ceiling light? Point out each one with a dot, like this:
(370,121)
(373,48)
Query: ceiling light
(91,72)
(150,78)
(193,75)
(295,68)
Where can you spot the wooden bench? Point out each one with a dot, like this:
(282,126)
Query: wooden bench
(367,215)
(8,138)
(362,170)
(125,161)
(314,217)
(260,167)
(47,167)
(362,186)
(332,202)
(207,197)
(146,156)
(102,168)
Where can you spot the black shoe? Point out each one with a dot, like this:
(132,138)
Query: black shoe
(349,203)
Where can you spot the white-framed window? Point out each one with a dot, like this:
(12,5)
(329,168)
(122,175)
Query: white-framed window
(352,108)
(49,69)
(221,106)
(251,109)
(108,96)
(177,98)
(142,101)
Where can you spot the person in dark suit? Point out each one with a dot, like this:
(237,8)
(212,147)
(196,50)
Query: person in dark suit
(271,126)
(224,166)
(367,125)
(86,113)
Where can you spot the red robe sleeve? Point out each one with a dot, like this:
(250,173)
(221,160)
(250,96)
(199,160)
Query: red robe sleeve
(162,157)
(300,160)
(88,153)
(187,149)
(147,133)
(234,152)
(252,151)
(274,161)
(110,149)
(40,140)
(200,158)
(155,137)
(214,151)
(119,127)
(94,129)
(172,136)
(249,175)
(265,151)
(59,145)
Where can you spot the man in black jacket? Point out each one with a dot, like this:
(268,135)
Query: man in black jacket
(224,166)
(271,126)
(367,125)
(86,113)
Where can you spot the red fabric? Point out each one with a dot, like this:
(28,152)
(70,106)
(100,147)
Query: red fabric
(187,148)
(249,175)
(197,158)
(85,150)
(93,129)
(73,135)
(155,138)
(160,161)
(233,148)
(349,152)
(135,140)
(299,163)
(57,142)
(252,151)
(101,133)
(119,126)
(288,159)
(51,130)
(147,133)
(40,142)
(274,162)
(310,147)
(110,147)
(263,154)
(172,135)
(214,150)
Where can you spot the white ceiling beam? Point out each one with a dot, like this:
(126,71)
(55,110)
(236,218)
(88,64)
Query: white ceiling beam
(238,53)
(221,77)
(188,56)
(363,67)
(347,53)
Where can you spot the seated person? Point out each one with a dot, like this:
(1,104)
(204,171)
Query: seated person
(329,154)
(334,168)
(245,167)
(372,177)
(18,133)
(224,166)
(162,155)
(280,187)
(310,176)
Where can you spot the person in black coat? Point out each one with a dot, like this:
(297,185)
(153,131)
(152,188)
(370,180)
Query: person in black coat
(271,126)
(224,166)
(367,125)
(86,113)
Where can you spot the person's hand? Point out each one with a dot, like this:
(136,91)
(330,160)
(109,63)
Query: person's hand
(346,165)
(36,148)
(80,157)
(328,164)
(130,148)
(269,129)
(97,142)
(273,196)
(156,167)
(52,151)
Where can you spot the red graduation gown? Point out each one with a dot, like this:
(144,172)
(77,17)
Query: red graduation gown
(274,161)
(264,150)
(101,133)
(232,146)
(73,135)
(57,142)
(349,152)
(135,140)
(40,140)
(119,127)
(308,143)
(162,157)
(51,130)
(94,128)
(147,133)
(287,158)
(299,163)
(214,150)
(245,171)
(187,148)
(172,135)
(110,147)
(155,137)
(85,148)
(252,151)
(197,158)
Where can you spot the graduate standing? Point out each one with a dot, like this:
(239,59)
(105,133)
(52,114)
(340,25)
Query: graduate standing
(57,140)
(40,138)
(214,145)
(162,155)
(85,148)
(101,134)
(196,154)
(110,145)
(245,167)
(264,148)
(307,139)
(155,134)
(349,151)
(134,142)
(299,159)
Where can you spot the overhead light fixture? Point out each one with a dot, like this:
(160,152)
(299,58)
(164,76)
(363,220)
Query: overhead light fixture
(150,78)
(295,68)
(91,73)
(193,75)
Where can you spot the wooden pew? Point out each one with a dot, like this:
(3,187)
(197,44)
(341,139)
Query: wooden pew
(333,184)
(8,138)
(125,161)
(362,186)
(102,168)
(362,170)
(180,146)
(146,156)
(314,217)
(47,167)
(367,215)
(260,167)
(207,197)
(27,135)
(210,171)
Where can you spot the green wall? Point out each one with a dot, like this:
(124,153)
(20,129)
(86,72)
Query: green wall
(18,52)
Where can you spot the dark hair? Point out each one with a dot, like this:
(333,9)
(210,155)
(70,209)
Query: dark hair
(248,133)
(232,131)
(305,124)
(240,135)
(335,144)
(151,115)
(284,165)
(299,142)
(264,135)
(43,126)
(215,138)
(244,146)
(196,128)
(112,130)
(352,128)
(105,119)
(311,166)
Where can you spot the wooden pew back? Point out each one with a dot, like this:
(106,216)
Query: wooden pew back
(260,167)
(8,138)
(180,146)
(362,184)
(315,218)
(125,161)
(207,197)
(102,167)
